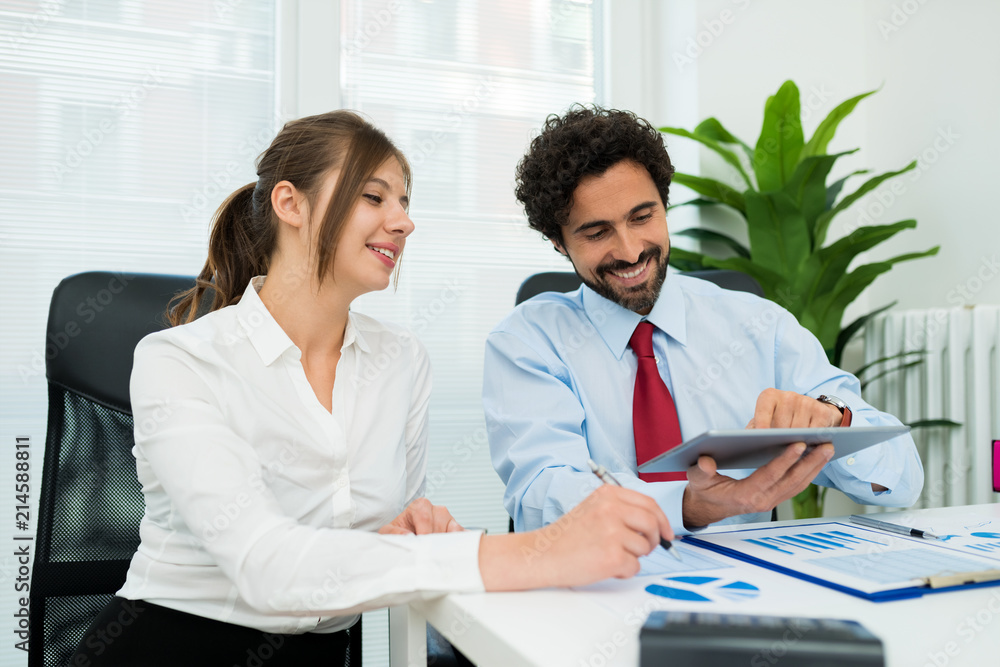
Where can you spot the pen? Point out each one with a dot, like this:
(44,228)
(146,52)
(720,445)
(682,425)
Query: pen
(892,527)
(603,474)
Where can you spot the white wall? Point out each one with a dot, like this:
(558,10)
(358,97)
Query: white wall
(937,64)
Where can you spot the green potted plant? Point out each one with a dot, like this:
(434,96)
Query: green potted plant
(787,205)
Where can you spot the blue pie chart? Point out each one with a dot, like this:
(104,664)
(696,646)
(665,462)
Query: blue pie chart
(703,589)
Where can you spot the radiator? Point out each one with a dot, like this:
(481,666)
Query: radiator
(957,378)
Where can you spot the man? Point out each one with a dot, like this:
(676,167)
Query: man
(563,373)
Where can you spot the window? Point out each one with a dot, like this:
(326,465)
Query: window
(462,87)
(125,123)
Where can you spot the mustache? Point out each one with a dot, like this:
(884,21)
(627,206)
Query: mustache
(620,265)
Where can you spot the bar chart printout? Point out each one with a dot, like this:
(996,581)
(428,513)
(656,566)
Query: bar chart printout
(867,560)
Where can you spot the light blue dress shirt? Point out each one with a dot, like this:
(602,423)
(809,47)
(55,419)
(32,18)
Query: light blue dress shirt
(558,385)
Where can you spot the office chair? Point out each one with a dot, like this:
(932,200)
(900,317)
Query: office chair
(91,502)
(563,281)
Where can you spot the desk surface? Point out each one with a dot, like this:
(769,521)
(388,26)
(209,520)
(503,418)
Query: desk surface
(599,625)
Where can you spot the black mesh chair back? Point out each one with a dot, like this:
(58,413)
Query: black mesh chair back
(563,281)
(91,502)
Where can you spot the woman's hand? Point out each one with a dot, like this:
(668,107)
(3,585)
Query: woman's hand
(420,518)
(602,537)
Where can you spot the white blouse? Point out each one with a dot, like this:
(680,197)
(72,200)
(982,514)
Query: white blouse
(261,506)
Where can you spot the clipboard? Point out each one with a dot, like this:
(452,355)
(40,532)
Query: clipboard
(751,448)
(985,571)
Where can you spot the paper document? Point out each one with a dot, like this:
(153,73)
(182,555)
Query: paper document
(849,557)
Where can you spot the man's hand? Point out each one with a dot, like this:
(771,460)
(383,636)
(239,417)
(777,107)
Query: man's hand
(711,497)
(420,518)
(786,409)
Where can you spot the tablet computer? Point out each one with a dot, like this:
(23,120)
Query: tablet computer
(752,448)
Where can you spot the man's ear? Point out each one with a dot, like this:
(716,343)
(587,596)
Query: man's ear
(289,204)
(557,244)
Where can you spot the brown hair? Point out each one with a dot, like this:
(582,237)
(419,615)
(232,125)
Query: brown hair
(585,141)
(244,228)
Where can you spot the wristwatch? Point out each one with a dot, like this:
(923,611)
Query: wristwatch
(840,405)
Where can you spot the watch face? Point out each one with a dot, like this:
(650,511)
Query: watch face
(834,401)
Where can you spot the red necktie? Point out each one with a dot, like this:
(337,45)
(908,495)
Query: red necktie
(654,415)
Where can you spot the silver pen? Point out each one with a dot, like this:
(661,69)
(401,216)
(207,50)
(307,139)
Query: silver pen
(605,476)
(892,527)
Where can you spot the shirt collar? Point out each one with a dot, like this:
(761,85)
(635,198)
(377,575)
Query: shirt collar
(266,335)
(616,324)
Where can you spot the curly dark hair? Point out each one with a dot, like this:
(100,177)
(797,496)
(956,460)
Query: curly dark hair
(587,140)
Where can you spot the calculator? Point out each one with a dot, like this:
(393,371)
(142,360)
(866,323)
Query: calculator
(679,639)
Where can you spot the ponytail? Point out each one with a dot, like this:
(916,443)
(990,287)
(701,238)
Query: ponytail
(245,229)
(239,248)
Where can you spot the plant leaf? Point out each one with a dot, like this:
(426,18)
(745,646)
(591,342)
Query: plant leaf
(780,142)
(713,129)
(878,362)
(824,133)
(769,280)
(823,222)
(700,201)
(702,234)
(929,423)
(829,264)
(687,260)
(779,238)
(891,370)
(848,332)
(725,153)
(834,190)
(829,308)
(807,186)
(712,189)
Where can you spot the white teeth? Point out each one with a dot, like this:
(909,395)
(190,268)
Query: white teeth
(631,274)
(384,251)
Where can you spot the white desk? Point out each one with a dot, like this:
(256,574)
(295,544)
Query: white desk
(579,628)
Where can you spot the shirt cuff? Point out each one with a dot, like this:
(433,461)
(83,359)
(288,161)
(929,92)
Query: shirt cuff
(860,470)
(450,562)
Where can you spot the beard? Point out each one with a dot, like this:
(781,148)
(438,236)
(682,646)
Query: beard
(637,298)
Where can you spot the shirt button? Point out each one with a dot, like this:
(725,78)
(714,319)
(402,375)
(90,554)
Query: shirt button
(850,461)
(656,359)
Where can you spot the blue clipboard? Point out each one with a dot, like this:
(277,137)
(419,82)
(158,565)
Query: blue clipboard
(902,593)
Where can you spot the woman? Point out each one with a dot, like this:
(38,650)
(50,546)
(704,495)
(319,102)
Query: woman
(283,475)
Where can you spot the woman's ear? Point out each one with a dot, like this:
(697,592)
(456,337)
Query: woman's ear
(289,204)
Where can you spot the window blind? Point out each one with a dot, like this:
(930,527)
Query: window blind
(125,123)
(461,87)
